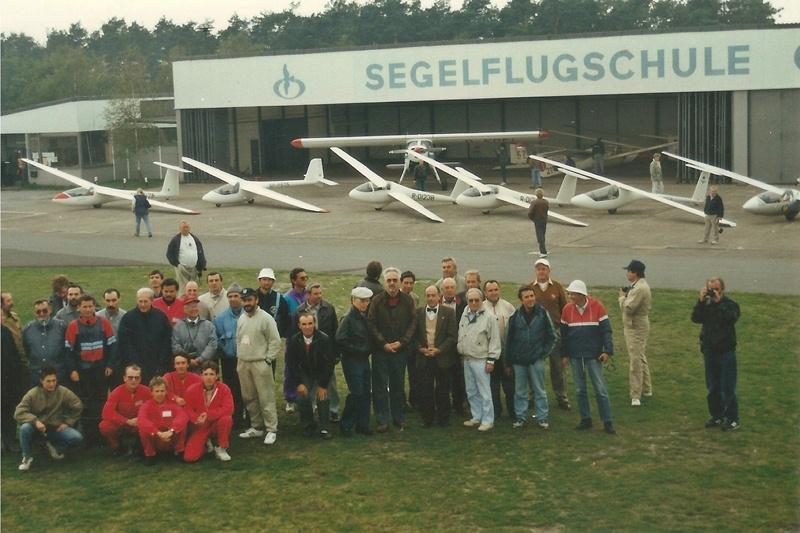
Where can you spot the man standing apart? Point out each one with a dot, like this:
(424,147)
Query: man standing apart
(215,301)
(185,253)
(141,210)
(531,338)
(53,411)
(479,344)
(257,346)
(714,210)
(634,301)
(225,326)
(655,174)
(551,295)
(587,343)
(598,154)
(718,315)
(392,323)
(436,338)
(310,362)
(537,213)
(353,341)
(121,409)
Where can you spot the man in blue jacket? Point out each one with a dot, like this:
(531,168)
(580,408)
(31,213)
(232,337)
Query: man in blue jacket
(225,326)
(530,340)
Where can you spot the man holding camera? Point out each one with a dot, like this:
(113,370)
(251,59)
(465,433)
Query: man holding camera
(634,301)
(718,315)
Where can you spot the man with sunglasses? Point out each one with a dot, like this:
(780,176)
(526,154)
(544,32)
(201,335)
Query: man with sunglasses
(43,339)
(121,410)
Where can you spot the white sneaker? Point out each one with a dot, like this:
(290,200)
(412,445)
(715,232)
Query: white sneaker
(485,427)
(209,447)
(271,437)
(471,423)
(702,241)
(54,453)
(543,424)
(25,465)
(222,454)
(290,407)
(636,402)
(251,433)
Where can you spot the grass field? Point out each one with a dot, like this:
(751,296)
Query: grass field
(662,471)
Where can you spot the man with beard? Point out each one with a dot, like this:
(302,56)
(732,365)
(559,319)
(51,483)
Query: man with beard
(70,311)
(169,303)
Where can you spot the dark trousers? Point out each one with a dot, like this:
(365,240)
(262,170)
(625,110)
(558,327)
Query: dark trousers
(434,392)
(458,387)
(231,378)
(10,399)
(541,228)
(358,375)
(721,385)
(413,380)
(92,389)
(388,385)
(305,404)
(499,380)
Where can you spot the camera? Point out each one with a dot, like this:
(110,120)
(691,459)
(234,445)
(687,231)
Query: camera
(710,294)
(625,289)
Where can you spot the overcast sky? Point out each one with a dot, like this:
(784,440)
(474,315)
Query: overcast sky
(37,17)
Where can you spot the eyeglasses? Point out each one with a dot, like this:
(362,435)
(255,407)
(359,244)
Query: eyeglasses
(133,378)
(41,311)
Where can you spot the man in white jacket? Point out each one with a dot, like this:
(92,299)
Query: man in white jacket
(479,344)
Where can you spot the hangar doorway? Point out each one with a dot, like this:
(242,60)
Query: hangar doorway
(276,149)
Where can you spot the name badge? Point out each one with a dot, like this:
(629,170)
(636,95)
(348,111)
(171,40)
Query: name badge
(140,402)
(245,340)
(166,414)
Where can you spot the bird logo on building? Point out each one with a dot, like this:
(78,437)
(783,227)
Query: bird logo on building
(288,87)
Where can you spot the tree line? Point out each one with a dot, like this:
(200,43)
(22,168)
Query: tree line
(122,59)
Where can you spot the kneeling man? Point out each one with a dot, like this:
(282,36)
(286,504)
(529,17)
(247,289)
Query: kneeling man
(120,412)
(210,408)
(161,423)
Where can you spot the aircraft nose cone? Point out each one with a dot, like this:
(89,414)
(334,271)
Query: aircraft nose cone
(297,143)
(752,203)
(581,200)
(61,196)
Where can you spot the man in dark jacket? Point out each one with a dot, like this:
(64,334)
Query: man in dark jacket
(530,340)
(310,362)
(436,337)
(718,315)
(537,213)
(43,338)
(714,210)
(145,337)
(371,281)
(392,323)
(141,210)
(353,341)
(185,253)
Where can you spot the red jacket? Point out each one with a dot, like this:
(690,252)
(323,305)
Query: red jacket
(176,387)
(221,402)
(174,311)
(123,405)
(155,417)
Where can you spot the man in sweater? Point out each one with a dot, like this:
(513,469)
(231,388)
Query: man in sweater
(551,295)
(436,338)
(258,344)
(161,423)
(586,343)
(714,210)
(194,336)
(120,412)
(479,345)
(92,347)
(52,411)
(145,337)
(310,361)
(392,323)
(209,405)
(537,213)
(69,312)
(215,301)
(634,301)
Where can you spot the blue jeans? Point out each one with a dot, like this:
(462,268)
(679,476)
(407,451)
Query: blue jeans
(533,375)
(146,218)
(479,390)
(595,368)
(357,374)
(536,178)
(388,385)
(599,163)
(59,439)
(721,385)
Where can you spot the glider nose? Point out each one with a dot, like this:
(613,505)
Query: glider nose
(61,196)
(297,143)
(582,200)
(752,203)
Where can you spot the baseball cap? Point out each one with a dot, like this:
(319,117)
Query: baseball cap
(190,301)
(249,292)
(635,266)
(544,262)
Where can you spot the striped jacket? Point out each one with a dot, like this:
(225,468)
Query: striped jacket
(587,335)
(91,343)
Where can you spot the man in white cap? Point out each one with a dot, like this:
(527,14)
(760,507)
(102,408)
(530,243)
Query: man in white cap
(353,339)
(276,306)
(586,342)
(634,301)
(551,295)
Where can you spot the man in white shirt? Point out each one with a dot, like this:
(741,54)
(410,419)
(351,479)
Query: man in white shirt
(185,253)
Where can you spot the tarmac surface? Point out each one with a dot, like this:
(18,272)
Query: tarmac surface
(762,254)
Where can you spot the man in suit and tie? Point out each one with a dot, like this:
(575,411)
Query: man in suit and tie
(436,336)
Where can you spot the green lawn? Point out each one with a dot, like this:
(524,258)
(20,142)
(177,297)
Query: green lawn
(662,471)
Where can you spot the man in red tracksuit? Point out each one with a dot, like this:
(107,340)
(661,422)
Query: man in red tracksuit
(161,423)
(92,349)
(179,380)
(210,408)
(122,408)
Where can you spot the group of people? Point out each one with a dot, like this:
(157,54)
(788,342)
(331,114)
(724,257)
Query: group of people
(185,369)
